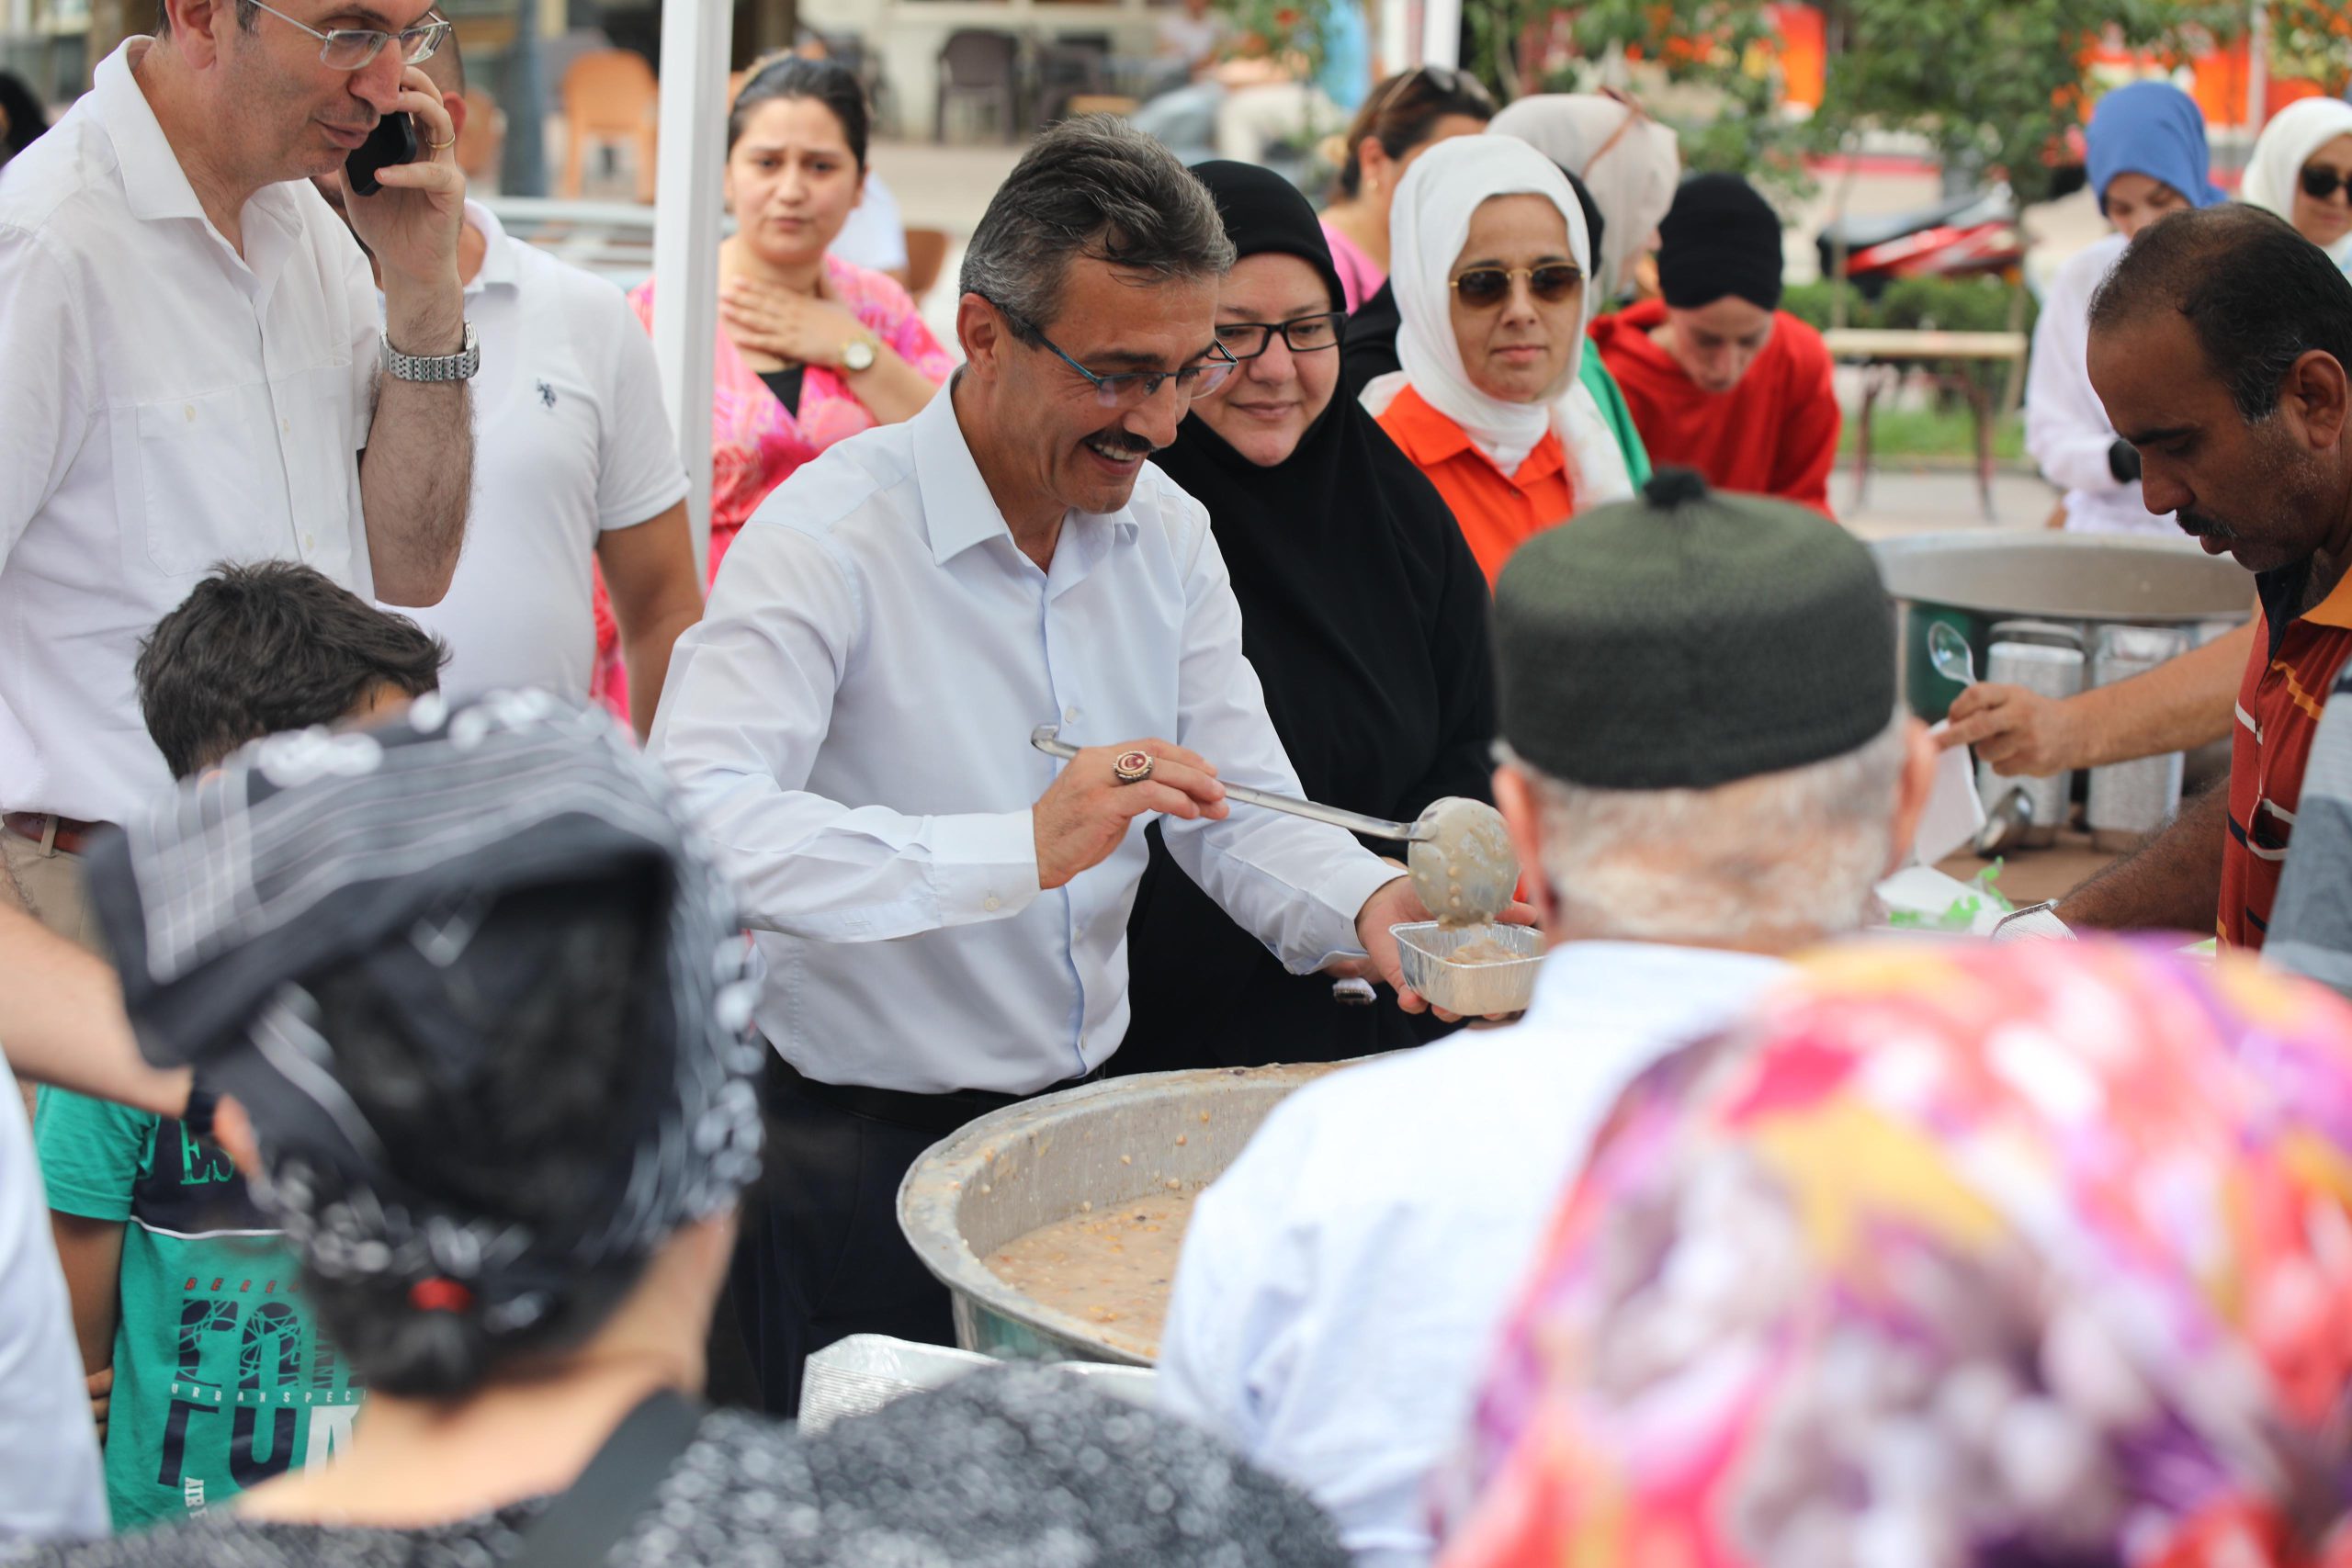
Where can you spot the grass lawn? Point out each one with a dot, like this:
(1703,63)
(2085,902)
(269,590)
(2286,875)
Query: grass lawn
(1930,433)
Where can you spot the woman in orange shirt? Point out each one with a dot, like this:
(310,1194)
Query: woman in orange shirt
(1490,259)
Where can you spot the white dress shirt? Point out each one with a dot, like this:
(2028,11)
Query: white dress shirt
(52,1486)
(851,724)
(163,405)
(1342,1284)
(570,441)
(2066,428)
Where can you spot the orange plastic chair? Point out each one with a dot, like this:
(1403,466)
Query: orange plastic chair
(610,95)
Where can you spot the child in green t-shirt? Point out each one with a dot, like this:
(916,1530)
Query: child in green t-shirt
(206,1376)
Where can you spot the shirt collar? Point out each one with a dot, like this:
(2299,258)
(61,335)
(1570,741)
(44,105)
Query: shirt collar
(1430,438)
(498,263)
(1650,981)
(957,510)
(1426,435)
(154,186)
(153,181)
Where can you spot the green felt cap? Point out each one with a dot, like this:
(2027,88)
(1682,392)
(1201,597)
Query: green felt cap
(1689,637)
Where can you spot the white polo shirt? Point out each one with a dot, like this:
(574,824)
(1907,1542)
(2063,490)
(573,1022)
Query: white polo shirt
(570,440)
(164,404)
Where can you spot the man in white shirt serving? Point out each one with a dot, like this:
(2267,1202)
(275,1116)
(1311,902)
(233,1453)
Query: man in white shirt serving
(577,468)
(941,907)
(1687,818)
(192,371)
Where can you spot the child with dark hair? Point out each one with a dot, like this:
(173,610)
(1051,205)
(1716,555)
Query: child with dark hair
(206,1374)
(271,647)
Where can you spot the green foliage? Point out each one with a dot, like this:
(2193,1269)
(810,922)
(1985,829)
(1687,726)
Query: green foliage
(2311,39)
(1926,304)
(1923,304)
(1992,84)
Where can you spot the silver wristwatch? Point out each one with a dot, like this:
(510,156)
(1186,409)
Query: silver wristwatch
(458,366)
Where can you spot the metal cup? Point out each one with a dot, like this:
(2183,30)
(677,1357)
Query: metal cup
(2046,658)
(2130,800)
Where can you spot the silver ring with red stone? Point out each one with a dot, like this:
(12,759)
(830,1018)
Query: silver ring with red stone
(1131,767)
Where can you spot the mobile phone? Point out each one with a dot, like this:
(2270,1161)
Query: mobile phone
(392,142)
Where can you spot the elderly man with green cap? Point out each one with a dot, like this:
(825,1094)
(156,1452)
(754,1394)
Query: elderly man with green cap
(1704,768)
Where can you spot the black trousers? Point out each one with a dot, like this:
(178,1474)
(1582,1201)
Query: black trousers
(821,1255)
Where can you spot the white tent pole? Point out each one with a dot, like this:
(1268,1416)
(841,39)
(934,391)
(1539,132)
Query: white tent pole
(2257,68)
(695,38)
(1442,33)
(1394,44)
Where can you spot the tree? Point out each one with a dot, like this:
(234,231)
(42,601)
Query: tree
(1992,84)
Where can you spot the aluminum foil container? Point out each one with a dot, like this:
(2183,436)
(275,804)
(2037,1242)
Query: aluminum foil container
(1424,952)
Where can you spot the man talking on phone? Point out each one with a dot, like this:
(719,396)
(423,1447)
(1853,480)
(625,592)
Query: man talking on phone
(193,370)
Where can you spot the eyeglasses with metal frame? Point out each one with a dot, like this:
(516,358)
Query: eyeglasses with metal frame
(352,49)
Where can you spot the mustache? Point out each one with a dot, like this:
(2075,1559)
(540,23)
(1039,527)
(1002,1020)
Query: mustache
(2205,526)
(1122,445)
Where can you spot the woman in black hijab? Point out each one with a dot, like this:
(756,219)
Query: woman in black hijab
(1364,612)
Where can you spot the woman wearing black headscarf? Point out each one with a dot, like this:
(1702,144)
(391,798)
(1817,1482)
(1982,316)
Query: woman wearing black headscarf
(1334,541)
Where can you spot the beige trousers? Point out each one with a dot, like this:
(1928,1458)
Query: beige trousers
(47,884)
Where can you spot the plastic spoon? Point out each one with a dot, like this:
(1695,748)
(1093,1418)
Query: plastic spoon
(1950,653)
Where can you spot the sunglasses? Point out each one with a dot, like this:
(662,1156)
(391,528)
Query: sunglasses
(2320,182)
(1484,287)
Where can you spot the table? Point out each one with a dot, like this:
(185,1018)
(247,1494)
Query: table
(1888,352)
(2030,876)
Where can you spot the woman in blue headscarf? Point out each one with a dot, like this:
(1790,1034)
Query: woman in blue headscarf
(2147,158)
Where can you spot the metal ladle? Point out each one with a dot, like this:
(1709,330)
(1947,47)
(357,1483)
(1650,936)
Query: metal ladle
(1459,855)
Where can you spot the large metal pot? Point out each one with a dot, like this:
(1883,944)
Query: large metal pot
(1972,579)
(1032,1164)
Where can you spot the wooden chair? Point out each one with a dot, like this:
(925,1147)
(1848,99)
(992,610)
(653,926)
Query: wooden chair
(610,95)
(926,253)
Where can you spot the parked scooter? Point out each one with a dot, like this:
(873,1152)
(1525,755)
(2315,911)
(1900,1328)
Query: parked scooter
(1966,236)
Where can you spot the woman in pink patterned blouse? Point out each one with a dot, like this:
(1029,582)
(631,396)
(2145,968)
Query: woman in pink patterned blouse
(811,349)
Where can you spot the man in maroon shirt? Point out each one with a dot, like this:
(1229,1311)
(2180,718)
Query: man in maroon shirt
(2220,346)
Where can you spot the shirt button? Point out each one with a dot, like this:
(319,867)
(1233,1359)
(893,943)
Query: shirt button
(189,410)
(991,903)
(309,543)
(1070,715)
(287,425)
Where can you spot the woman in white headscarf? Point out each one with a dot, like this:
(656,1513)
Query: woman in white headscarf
(1629,161)
(1492,270)
(2302,171)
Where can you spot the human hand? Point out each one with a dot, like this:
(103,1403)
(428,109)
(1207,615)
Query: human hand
(1396,904)
(794,328)
(410,225)
(2014,730)
(1084,813)
(101,1387)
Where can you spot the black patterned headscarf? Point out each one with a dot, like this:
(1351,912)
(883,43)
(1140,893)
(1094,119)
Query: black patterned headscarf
(317,854)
